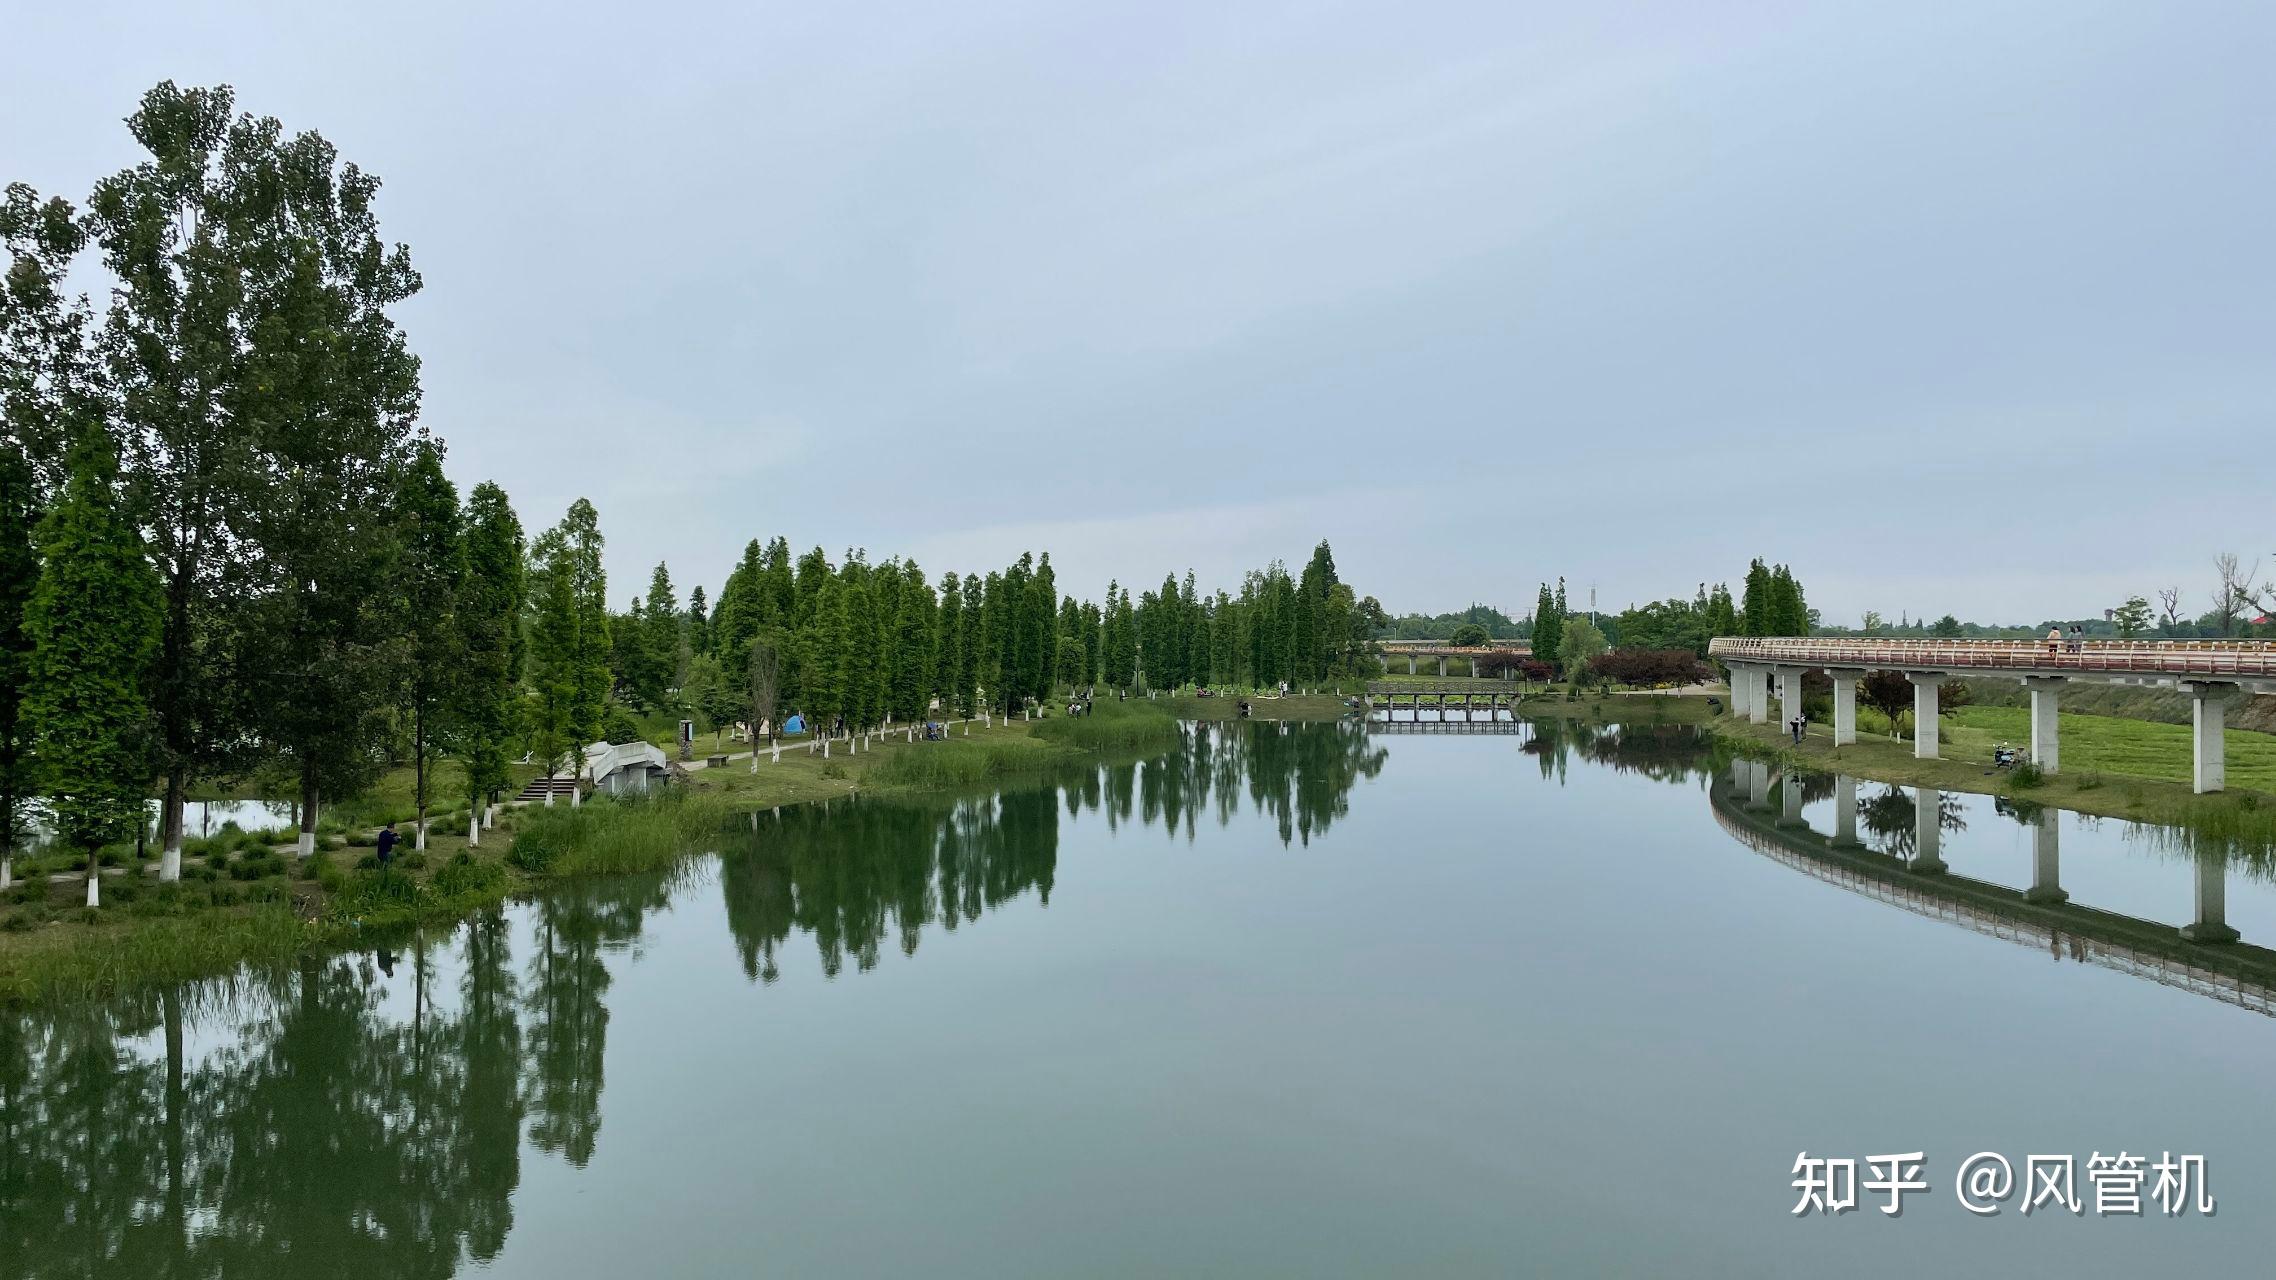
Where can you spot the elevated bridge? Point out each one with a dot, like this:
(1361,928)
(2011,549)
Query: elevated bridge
(2213,673)
(1418,651)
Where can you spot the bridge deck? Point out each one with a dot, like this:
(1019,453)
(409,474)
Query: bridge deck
(2154,659)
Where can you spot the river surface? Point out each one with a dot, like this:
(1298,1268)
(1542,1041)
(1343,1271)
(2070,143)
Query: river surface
(1296,1000)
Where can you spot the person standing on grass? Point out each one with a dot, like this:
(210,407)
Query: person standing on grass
(387,839)
(1797,725)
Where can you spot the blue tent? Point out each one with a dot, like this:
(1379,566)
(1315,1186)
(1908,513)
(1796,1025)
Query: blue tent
(796,724)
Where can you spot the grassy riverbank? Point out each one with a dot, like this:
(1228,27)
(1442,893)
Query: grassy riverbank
(243,897)
(2113,768)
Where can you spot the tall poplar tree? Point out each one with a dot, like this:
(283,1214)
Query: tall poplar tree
(190,241)
(1040,626)
(19,576)
(328,394)
(823,639)
(489,618)
(913,645)
(93,623)
(665,641)
(430,574)
(1757,611)
(948,644)
(1548,628)
(568,634)
(699,622)
(970,645)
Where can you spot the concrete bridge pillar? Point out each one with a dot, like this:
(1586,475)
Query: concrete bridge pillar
(1924,724)
(1789,695)
(1758,784)
(2212,924)
(1845,703)
(2046,855)
(1845,810)
(2208,724)
(1442,667)
(2046,749)
(1928,831)
(1758,695)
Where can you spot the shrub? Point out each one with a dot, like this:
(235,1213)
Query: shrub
(1648,667)
(414,861)
(381,889)
(2026,776)
(257,866)
(464,876)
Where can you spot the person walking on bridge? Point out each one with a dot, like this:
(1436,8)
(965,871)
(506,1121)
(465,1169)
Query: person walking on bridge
(2054,641)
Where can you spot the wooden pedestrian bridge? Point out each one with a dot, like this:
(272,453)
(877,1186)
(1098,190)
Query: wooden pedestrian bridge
(2214,673)
(2204,956)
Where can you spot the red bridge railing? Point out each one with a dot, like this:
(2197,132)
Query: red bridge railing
(2206,658)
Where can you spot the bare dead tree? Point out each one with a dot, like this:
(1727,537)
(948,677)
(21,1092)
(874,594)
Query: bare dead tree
(2169,604)
(765,689)
(2237,591)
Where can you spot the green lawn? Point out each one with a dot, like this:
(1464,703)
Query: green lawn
(2106,744)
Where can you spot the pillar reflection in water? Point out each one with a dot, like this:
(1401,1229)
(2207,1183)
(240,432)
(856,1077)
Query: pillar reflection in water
(2046,854)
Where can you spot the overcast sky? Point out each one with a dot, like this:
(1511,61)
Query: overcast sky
(1962,307)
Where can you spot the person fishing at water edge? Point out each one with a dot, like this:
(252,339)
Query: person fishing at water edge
(387,839)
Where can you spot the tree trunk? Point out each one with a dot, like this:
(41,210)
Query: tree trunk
(94,879)
(170,808)
(307,810)
(473,826)
(419,777)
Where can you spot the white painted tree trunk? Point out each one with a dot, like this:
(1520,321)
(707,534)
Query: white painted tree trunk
(549,790)
(777,755)
(825,748)
(94,884)
(169,863)
(474,829)
(307,846)
(968,728)
(576,794)
(419,835)
(7,872)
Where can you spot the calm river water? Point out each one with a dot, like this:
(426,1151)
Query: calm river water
(1293,1001)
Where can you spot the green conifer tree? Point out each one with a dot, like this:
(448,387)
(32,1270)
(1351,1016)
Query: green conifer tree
(93,622)
(430,573)
(19,575)
(489,644)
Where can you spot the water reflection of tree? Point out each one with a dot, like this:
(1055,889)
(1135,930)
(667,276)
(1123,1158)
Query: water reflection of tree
(1893,814)
(329,1136)
(344,1129)
(1662,752)
(566,1009)
(853,873)
(856,872)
